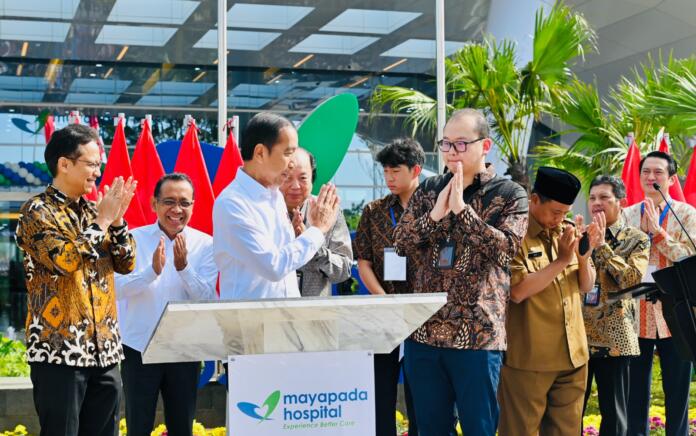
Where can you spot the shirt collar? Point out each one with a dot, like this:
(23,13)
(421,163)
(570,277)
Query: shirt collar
(392,200)
(615,228)
(534,228)
(62,198)
(253,188)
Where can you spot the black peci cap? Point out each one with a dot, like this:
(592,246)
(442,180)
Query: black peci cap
(558,185)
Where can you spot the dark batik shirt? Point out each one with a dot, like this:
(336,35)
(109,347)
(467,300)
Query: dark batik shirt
(375,233)
(487,234)
(69,264)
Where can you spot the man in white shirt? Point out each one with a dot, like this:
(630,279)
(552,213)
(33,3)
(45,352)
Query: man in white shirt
(173,263)
(255,246)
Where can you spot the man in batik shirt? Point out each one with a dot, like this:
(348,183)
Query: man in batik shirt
(461,230)
(621,262)
(71,249)
(668,243)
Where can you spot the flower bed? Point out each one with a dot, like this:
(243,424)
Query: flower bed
(657,422)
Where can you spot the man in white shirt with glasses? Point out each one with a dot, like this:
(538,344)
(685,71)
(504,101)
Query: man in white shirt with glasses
(174,262)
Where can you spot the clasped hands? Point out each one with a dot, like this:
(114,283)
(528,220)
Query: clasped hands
(159,257)
(323,211)
(569,241)
(451,198)
(113,203)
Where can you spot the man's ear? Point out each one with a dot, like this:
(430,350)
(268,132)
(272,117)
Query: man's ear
(62,166)
(672,180)
(260,151)
(153,201)
(487,145)
(417,169)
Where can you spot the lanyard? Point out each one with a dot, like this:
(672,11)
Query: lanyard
(391,213)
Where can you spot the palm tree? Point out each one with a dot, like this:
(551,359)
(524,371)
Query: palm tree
(484,75)
(657,97)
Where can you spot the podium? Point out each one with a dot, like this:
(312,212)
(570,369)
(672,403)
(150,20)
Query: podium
(677,285)
(285,338)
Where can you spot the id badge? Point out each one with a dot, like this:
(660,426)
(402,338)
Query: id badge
(445,258)
(648,278)
(592,297)
(394,266)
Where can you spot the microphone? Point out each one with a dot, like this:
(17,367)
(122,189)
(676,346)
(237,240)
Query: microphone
(657,188)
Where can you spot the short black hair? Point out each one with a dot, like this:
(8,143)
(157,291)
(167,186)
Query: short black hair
(66,143)
(263,128)
(173,177)
(617,185)
(402,151)
(671,163)
(542,197)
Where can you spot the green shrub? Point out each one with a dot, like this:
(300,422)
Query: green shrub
(12,358)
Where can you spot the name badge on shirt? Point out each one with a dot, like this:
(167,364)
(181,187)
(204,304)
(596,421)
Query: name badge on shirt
(445,258)
(648,278)
(534,254)
(394,266)
(592,297)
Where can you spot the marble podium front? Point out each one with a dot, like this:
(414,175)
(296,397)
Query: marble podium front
(214,330)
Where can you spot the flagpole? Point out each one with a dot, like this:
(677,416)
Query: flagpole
(222,71)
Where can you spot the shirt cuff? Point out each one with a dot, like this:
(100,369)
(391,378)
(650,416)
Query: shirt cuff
(604,251)
(315,236)
(149,275)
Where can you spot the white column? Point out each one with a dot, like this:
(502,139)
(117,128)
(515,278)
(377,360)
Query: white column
(440,57)
(222,71)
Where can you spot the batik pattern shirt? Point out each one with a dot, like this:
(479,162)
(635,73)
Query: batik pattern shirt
(621,263)
(375,233)
(668,246)
(69,265)
(486,235)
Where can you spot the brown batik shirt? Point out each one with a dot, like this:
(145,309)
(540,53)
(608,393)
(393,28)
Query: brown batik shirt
(375,233)
(621,263)
(486,235)
(69,264)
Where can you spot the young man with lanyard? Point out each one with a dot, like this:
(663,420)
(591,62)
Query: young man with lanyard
(542,383)
(668,243)
(621,262)
(382,271)
(460,232)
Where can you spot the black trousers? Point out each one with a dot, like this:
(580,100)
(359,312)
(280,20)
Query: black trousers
(387,368)
(178,383)
(72,401)
(612,376)
(676,379)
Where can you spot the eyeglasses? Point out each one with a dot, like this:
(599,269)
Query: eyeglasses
(168,202)
(91,165)
(459,145)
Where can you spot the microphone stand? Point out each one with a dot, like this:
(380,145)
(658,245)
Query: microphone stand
(657,188)
(692,318)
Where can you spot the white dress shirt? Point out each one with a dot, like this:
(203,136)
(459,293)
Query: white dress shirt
(142,295)
(255,246)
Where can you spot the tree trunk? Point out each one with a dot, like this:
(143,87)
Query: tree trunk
(518,172)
